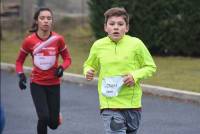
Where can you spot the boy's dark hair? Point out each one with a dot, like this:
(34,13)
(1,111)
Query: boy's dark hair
(34,26)
(116,11)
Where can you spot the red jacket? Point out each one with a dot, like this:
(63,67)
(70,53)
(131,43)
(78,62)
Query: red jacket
(45,54)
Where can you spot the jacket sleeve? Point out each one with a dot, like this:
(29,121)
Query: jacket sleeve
(146,64)
(92,60)
(20,61)
(64,53)
(66,58)
(24,51)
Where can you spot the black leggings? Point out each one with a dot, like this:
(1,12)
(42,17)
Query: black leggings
(47,103)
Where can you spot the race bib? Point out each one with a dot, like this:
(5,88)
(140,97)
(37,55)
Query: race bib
(112,85)
(44,62)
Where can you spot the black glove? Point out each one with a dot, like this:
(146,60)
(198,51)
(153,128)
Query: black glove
(59,71)
(22,81)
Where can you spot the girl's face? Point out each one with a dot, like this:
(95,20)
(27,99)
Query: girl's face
(45,21)
(116,27)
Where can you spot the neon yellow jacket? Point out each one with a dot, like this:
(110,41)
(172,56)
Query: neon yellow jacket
(128,55)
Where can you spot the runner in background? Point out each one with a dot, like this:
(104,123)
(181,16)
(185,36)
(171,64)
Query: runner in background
(122,62)
(44,46)
(2,119)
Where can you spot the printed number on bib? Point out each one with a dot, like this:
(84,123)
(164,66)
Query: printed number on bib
(44,62)
(44,56)
(111,86)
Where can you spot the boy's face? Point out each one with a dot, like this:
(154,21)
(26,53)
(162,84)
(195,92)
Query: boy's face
(116,27)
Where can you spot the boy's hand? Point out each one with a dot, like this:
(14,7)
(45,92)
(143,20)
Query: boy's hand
(128,80)
(22,81)
(90,74)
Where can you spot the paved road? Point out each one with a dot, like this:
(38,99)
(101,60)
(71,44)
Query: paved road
(79,106)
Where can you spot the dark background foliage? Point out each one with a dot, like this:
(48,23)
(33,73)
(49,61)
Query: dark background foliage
(168,28)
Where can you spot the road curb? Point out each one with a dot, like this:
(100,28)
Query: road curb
(149,89)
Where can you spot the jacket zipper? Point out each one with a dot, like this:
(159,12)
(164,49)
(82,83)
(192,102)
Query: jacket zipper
(115,48)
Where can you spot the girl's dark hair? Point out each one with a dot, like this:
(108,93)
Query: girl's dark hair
(34,26)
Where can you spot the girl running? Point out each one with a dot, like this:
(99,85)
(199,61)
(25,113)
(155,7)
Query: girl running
(44,46)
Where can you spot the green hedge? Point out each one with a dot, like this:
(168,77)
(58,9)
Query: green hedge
(168,27)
